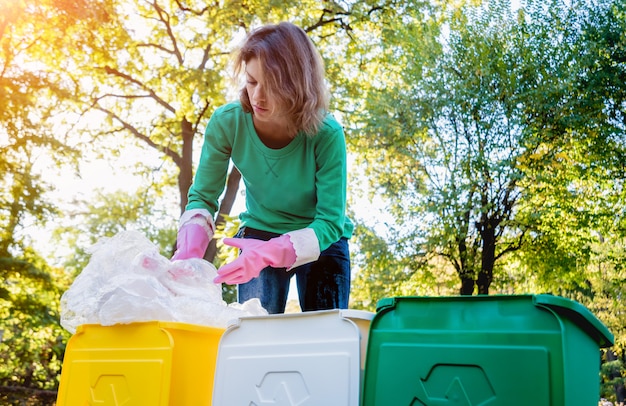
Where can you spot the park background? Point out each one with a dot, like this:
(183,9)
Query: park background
(486,139)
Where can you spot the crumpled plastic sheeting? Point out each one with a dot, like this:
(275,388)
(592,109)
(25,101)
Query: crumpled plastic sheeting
(127,280)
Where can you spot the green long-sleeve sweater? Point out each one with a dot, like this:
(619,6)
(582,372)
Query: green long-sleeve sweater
(301,185)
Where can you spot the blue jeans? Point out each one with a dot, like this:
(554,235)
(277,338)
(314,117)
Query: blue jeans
(322,285)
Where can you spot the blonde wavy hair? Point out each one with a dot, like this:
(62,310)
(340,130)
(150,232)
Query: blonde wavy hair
(293,71)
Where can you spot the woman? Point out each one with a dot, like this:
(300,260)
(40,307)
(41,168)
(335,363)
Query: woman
(291,154)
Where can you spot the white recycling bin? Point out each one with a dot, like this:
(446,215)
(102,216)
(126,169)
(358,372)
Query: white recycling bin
(305,359)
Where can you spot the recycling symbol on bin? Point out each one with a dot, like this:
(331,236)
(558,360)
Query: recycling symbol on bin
(282,389)
(111,390)
(458,385)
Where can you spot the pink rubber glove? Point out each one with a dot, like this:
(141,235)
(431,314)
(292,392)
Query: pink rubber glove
(191,242)
(255,255)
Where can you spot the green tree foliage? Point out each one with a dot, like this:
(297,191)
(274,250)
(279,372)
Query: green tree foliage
(28,101)
(440,140)
(479,118)
(612,374)
(31,145)
(576,181)
(107,214)
(32,344)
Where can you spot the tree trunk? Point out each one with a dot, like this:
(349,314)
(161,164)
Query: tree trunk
(185,175)
(465,272)
(467,285)
(232,185)
(488,257)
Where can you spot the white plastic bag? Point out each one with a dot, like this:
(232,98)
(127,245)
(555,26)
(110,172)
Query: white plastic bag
(127,280)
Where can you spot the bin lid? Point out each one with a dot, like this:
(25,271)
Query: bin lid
(578,313)
(568,308)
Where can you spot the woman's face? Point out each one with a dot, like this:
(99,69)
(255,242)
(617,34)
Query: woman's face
(264,109)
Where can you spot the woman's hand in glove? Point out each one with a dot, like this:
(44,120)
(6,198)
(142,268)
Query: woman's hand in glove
(256,255)
(194,233)
(191,242)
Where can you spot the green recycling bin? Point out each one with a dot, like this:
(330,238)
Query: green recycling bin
(500,350)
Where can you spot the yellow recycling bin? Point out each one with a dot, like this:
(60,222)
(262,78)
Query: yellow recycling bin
(148,363)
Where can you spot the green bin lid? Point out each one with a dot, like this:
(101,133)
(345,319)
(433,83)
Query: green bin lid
(578,313)
(568,308)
